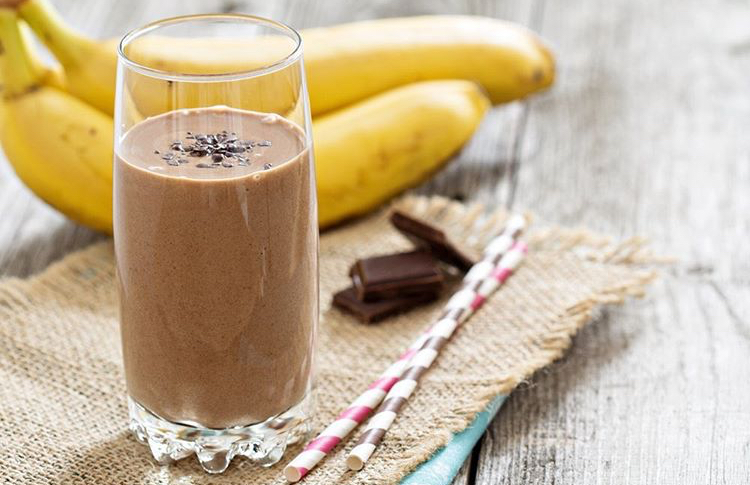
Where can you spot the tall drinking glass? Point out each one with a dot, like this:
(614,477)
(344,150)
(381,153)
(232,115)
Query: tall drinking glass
(216,237)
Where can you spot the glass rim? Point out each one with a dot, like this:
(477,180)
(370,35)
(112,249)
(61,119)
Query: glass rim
(283,62)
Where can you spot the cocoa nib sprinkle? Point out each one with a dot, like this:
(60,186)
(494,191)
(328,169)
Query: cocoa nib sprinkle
(225,149)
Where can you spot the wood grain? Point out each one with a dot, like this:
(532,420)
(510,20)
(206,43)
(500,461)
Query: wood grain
(633,141)
(644,133)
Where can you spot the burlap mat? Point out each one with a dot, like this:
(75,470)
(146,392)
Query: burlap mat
(62,395)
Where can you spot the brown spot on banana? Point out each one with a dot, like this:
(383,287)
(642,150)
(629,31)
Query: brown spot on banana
(12,96)
(383,159)
(11,3)
(415,143)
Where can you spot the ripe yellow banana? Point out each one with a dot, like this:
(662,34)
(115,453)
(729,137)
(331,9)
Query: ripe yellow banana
(373,150)
(50,75)
(349,62)
(344,63)
(366,153)
(58,145)
(62,148)
(90,66)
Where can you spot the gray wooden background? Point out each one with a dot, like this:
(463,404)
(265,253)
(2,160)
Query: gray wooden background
(645,132)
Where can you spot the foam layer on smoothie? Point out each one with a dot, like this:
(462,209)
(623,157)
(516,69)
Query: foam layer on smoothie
(149,143)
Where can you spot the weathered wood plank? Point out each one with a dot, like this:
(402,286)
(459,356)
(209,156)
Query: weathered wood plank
(644,129)
(654,392)
(641,136)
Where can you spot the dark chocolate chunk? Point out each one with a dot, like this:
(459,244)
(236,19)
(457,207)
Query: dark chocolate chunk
(370,312)
(396,275)
(432,239)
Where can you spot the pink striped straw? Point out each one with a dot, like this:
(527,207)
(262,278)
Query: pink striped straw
(350,418)
(460,307)
(363,405)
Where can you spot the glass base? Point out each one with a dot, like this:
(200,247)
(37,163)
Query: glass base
(264,443)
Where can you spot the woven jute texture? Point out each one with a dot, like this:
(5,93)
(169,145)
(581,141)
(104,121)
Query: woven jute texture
(62,397)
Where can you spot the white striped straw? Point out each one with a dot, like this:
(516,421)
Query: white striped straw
(366,402)
(460,307)
(350,418)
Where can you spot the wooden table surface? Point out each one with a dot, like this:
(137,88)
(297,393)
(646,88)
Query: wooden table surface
(644,133)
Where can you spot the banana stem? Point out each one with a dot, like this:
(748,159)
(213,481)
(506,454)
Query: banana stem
(17,73)
(62,40)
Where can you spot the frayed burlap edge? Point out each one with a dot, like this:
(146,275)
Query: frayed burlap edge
(461,221)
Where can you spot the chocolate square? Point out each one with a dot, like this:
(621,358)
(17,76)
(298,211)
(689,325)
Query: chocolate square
(432,239)
(370,312)
(396,275)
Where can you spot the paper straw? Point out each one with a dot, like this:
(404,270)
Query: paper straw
(460,307)
(355,414)
(361,407)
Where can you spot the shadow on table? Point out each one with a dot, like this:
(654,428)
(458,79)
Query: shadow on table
(124,461)
(600,342)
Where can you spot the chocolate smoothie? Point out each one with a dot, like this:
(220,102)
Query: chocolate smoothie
(216,241)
